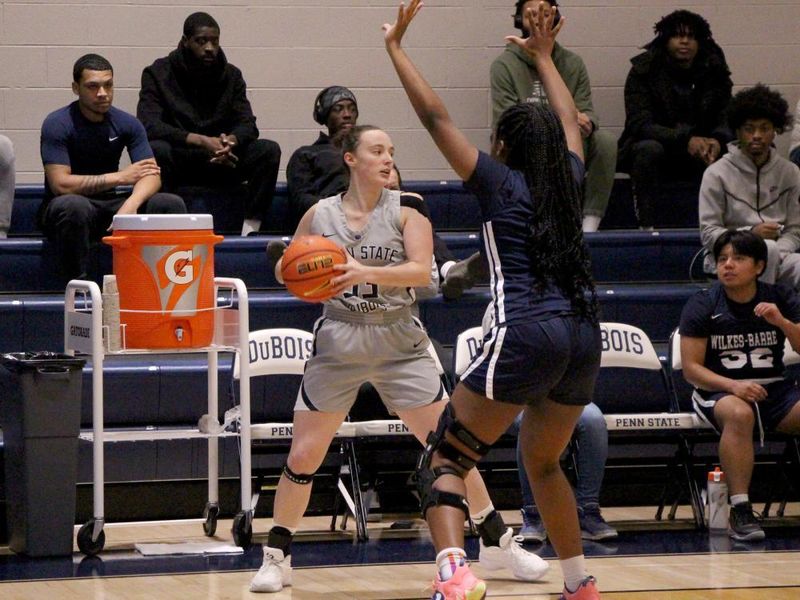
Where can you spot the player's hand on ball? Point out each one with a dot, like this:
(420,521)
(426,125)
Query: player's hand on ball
(353,273)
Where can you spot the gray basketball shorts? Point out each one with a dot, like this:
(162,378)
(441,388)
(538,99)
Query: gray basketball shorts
(393,357)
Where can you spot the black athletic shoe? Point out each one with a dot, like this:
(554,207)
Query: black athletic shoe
(743,524)
(463,275)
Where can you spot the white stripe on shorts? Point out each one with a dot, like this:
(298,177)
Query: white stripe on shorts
(496,272)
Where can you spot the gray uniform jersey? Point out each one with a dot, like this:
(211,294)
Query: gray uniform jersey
(379,243)
(368,333)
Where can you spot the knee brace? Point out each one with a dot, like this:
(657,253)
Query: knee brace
(426,475)
(298,478)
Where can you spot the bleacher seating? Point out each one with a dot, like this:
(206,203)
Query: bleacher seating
(644,277)
(452,207)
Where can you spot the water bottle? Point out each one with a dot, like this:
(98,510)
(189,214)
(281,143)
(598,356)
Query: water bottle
(111,326)
(717,494)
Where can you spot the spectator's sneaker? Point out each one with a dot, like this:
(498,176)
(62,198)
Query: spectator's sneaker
(526,566)
(532,529)
(463,585)
(743,525)
(587,590)
(462,276)
(593,525)
(275,572)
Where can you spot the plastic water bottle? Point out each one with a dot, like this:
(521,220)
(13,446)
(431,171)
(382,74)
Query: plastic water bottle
(717,494)
(111,326)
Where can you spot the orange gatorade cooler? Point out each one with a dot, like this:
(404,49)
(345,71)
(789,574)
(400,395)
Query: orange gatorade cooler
(164,265)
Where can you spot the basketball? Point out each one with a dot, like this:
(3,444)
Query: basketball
(307,267)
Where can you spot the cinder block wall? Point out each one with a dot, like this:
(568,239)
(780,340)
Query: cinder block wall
(290,49)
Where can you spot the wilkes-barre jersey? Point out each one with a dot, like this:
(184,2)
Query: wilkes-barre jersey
(739,344)
(379,243)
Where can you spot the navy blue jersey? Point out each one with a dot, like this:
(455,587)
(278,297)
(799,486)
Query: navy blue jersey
(740,345)
(507,210)
(88,148)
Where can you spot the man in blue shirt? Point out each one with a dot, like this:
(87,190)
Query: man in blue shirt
(81,145)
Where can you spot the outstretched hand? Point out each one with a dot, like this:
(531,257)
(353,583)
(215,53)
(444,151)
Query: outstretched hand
(393,33)
(542,37)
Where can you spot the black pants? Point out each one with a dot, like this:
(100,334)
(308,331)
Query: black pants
(257,167)
(73,222)
(649,163)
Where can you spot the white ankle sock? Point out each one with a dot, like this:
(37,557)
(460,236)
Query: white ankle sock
(250,225)
(574,570)
(448,560)
(591,223)
(445,268)
(739,499)
(480,516)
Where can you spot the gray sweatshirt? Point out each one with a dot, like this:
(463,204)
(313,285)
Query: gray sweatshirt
(735,194)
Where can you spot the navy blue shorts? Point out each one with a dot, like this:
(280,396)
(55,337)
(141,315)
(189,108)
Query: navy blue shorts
(521,364)
(781,398)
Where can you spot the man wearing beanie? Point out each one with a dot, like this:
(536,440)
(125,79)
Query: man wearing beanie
(317,171)
(201,127)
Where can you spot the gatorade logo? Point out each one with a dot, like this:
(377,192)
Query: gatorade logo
(178,267)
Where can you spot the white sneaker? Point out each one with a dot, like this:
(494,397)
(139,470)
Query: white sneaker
(275,572)
(526,566)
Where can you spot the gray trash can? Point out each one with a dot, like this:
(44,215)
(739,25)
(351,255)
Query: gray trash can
(40,413)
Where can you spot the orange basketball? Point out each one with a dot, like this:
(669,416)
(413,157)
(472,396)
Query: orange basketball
(307,267)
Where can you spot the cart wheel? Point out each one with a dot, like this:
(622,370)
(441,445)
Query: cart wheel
(242,531)
(85,543)
(210,514)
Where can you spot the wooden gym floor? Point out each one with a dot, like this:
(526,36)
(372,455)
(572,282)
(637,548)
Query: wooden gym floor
(650,561)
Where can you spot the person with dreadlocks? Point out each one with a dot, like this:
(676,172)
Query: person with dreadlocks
(542,354)
(675,99)
(753,187)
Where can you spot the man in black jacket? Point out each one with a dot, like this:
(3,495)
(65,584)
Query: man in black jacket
(201,127)
(318,171)
(675,99)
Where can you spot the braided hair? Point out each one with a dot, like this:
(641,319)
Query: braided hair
(535,146)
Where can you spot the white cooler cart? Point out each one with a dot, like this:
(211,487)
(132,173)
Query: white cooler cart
(83,333)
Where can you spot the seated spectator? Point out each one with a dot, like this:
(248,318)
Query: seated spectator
(318,171)
(755,188)
(442,257)
(194,106)
(675,99)
(732,340)
(513,79)
(81,145)
(7,183)
(794,147)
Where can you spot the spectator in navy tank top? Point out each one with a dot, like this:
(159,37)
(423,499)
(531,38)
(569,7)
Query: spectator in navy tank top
(81,146)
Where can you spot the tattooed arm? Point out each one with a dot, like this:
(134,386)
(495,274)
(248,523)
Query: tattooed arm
(62,181)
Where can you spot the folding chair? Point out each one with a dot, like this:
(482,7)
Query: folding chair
(279,355)
(635,394)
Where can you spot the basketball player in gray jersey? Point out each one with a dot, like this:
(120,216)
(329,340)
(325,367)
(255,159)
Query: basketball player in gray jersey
(367,333)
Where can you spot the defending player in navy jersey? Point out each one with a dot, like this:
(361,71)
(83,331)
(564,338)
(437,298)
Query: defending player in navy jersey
(542,355)
(732,344)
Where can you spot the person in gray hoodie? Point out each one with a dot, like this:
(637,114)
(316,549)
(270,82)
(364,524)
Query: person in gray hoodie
(753,187)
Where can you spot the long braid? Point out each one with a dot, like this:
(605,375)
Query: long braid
(536,146)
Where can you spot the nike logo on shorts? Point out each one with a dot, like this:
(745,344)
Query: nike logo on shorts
(112,139)
(716,316)
(418,343)
(328,234)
